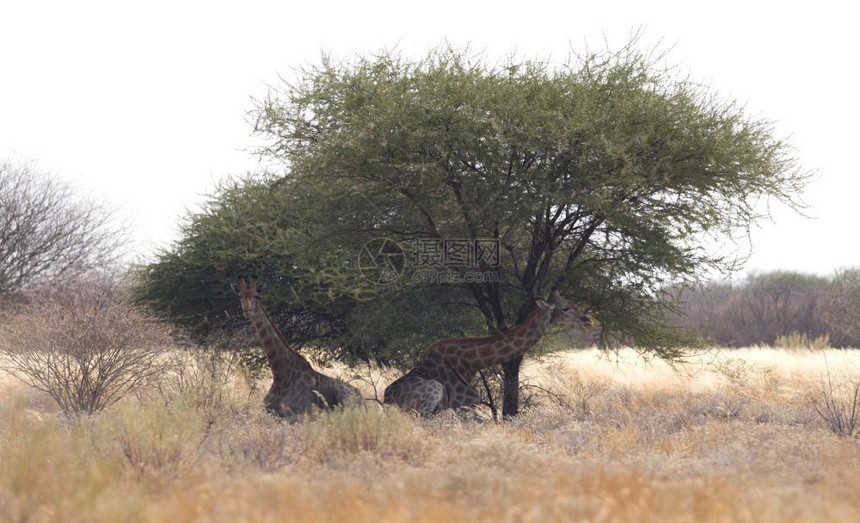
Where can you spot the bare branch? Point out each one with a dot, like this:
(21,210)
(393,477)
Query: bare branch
(47,231)
(86,349)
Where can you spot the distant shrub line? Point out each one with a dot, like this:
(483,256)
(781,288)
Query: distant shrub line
(776,308)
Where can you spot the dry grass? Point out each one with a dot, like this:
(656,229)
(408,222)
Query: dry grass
(728,436)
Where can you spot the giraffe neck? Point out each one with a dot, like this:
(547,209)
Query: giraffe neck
(283,359)
(515,341)
(477,353)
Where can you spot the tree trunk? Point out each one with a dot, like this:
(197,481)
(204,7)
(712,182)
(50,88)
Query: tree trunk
(511,374)
(511,387)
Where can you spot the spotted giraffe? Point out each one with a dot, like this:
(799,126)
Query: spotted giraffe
(296,386)
(443,377)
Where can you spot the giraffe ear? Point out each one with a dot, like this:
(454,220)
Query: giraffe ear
(235,287)
(542,304)
(261,287)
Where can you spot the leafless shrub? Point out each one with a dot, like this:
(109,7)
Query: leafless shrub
(264,442)
(207,380)
(839,405)
(581,393)
(86,347)
(488,382)
(357,429)
(47,231)
(372,376)
(149,447)
(737,371)
(147,438)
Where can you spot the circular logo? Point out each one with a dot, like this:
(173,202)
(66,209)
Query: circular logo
(381,261)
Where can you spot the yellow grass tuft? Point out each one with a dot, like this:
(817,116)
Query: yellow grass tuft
(386,432)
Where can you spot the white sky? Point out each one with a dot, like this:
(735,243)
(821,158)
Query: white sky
(145,105)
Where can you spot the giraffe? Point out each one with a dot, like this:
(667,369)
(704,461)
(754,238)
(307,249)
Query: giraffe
(443,377)
(296,386)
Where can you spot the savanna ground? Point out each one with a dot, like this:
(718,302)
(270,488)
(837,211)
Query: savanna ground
(732,435)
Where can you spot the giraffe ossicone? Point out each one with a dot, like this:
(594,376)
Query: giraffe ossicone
(296,386)
(442,379)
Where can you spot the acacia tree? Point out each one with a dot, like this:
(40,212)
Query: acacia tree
(598,176)
(47,230)
(245,228)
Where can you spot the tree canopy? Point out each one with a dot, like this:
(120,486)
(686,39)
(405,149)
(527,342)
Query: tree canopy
(600,176)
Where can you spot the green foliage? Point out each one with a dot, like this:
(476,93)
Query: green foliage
(251,226)
(245,228)
(598,176)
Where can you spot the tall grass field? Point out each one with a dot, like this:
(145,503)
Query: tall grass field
(755,434)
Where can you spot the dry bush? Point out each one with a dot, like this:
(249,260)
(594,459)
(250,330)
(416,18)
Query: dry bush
(214,382)
(370,378)
(149,439)
(49,231)
(569,389)
(257,440)
(51,470)
(842,311)
(86,346)
(359,429)
(745,377)
(796,341)
(839,405)
(787,309)
(635,441)
(489,383)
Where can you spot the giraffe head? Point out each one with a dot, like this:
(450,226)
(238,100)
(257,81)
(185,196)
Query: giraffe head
(563,311)
(249,294)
